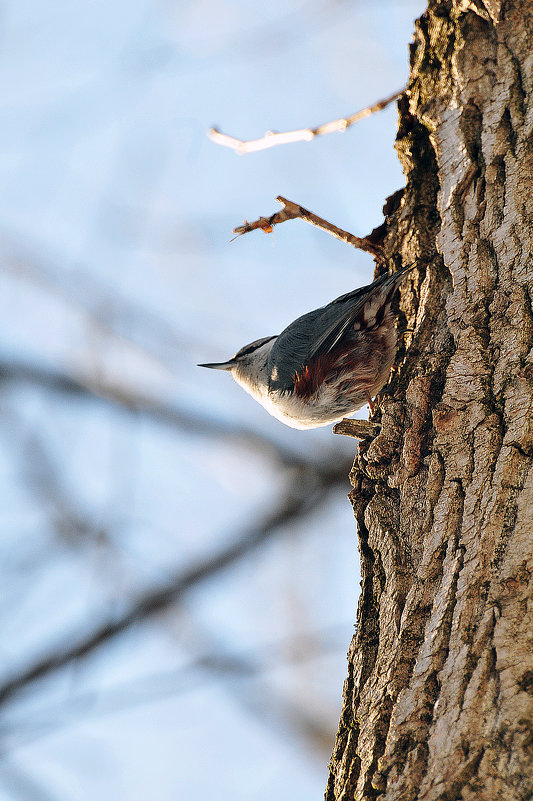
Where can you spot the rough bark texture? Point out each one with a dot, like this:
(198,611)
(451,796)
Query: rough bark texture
(438,703)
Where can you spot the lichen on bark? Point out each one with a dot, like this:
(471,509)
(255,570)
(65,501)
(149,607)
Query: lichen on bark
(438,703)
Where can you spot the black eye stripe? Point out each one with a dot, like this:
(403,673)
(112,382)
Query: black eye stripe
(252,346)
(246,350)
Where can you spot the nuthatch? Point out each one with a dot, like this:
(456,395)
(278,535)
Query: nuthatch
(327,363)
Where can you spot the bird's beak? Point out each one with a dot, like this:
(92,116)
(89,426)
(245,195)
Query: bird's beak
(219,365)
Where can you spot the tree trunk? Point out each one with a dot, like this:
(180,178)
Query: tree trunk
(438,703)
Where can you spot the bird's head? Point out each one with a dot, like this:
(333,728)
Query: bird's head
(248,366)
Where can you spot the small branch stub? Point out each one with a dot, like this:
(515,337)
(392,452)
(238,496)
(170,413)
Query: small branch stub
(291,211)
(271,139)
(360,429)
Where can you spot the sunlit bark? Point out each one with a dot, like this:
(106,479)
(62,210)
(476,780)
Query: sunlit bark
(438,703)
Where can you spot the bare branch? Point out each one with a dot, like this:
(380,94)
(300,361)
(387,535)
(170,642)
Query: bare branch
(271,139)
(291,211)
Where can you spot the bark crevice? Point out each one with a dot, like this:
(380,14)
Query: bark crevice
(440,691)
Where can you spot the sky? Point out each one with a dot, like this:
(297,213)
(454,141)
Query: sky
(117,269)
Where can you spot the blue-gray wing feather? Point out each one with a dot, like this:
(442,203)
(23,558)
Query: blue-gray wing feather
(317,332)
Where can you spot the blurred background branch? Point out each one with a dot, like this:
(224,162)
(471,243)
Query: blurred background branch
(303,494)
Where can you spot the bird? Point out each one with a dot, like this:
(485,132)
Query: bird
(326,364)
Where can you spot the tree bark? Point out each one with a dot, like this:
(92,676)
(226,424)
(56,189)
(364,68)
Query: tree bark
(438,703)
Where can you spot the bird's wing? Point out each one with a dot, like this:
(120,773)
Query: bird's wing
(290,352)
(361,306)
(316,333)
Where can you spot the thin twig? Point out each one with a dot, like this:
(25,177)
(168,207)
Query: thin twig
(291,211)
(271,139)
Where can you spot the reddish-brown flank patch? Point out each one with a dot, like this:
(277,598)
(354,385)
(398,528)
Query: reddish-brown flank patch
(305,383)
(309,379)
